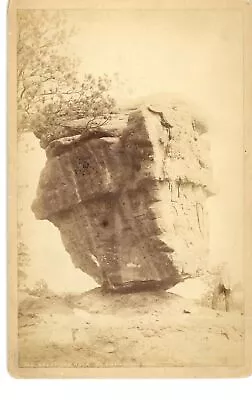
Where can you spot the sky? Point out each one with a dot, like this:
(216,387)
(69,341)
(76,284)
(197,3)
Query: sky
(194,54)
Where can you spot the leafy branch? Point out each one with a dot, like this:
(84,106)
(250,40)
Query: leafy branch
(49,93)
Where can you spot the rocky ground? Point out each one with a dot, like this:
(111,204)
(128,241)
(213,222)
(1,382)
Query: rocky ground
(140,329)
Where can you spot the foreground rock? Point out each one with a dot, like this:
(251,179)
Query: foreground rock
(129,197)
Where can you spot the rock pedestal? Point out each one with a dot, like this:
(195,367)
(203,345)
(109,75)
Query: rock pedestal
(129,197)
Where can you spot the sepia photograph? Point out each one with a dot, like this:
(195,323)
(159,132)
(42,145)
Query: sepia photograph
(129,181)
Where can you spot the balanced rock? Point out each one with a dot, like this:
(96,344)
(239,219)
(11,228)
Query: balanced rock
(129,197)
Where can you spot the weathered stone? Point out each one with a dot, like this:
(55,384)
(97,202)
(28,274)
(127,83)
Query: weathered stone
(129,198)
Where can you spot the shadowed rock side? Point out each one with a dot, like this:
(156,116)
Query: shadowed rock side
(128,198)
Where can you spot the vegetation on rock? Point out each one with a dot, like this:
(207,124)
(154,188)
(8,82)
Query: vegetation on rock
(49,90)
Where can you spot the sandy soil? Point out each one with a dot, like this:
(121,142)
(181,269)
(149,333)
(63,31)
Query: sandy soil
(140,329)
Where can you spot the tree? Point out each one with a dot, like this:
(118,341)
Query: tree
(49,92)
(23,258)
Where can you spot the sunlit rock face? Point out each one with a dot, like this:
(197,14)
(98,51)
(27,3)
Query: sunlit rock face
(129,197)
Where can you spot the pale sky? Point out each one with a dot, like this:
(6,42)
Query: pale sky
(193,53)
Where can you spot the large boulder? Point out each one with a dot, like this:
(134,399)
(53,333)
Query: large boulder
(129,197)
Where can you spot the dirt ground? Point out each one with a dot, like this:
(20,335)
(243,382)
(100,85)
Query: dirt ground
(140,329)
